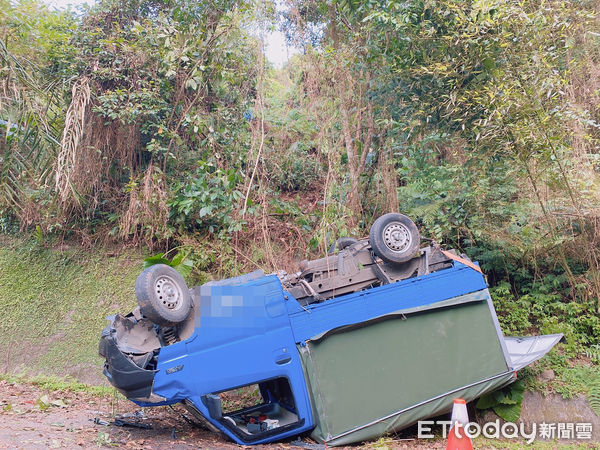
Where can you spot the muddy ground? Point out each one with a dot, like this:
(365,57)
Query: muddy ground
(33,418)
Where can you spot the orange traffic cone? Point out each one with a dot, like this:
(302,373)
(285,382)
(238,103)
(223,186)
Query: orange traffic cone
(458,439)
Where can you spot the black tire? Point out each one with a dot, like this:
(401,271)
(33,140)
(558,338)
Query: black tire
(341,244)
(394,238)
(163,295)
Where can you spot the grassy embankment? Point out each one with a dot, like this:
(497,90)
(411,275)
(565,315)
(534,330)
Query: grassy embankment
(54,302)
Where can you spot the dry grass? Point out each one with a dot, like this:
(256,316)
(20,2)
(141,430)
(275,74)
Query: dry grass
(70,154)
(147,213)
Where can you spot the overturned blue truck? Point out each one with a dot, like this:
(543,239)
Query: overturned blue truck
(380,333)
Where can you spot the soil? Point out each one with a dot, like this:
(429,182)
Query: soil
(33,418)
(65,419)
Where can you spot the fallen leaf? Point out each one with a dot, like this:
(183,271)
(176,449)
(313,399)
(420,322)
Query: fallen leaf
(43,402)
(58,403)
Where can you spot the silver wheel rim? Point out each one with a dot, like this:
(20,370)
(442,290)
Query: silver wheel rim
(168,292)
(397,237)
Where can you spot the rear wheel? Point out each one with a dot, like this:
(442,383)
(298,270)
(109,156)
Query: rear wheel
(394,238)
(341,244)
(163,295)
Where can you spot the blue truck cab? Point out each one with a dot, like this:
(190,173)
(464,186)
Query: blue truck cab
(241,337)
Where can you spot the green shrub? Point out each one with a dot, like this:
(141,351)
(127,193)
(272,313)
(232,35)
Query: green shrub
(205,202)
(295,168)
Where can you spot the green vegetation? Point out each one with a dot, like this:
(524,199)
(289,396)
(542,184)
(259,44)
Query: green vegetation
(505,402)
(159,124)
(54,305)
(55,383)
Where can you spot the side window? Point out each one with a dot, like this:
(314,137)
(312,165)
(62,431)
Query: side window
(256,410)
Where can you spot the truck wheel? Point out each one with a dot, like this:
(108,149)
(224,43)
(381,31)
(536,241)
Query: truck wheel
(394,238)
(341,244)
(162,295)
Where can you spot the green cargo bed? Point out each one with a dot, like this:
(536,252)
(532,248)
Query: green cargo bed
(385,374)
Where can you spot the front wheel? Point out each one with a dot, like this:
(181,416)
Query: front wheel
(163,295)
(394,238)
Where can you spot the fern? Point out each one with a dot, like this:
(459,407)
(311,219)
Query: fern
(593,352)
(594,396)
